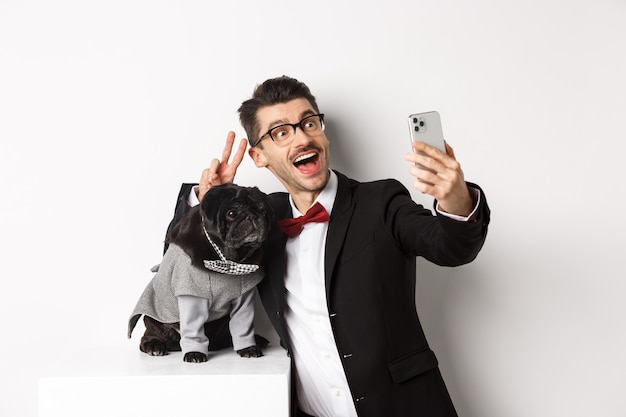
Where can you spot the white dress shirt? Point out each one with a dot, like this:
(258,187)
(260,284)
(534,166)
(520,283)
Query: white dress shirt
(319,376)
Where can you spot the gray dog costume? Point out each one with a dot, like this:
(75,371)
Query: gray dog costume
(181,292)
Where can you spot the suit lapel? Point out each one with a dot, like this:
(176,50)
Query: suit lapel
(338,226)
(278,240)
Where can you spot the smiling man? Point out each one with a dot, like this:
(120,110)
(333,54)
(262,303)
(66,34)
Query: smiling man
(302,169)
(340,261)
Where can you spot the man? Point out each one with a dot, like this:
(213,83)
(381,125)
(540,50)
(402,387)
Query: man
(341,293)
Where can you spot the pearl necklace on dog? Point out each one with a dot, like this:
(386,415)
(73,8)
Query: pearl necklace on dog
(223,265)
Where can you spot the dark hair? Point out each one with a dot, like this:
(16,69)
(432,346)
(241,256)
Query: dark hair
(272,91)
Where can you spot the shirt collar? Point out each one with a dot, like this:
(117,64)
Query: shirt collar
(326,197)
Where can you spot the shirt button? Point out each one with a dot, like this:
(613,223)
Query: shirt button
(338,393)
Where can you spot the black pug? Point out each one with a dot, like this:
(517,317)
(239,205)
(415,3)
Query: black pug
(202,296)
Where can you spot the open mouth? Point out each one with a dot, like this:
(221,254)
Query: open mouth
(307,162)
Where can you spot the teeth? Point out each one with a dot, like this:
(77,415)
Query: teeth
(303,157)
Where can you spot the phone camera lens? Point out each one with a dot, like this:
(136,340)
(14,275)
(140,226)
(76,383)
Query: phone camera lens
(421,123)
(415,120)
(417,128)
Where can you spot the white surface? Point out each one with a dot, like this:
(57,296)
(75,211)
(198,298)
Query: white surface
(125,382)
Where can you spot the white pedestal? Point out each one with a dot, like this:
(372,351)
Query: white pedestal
(126,382)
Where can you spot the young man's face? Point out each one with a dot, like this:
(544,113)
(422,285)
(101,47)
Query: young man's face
(301,164)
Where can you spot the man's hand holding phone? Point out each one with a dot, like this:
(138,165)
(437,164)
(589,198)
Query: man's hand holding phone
(435,168)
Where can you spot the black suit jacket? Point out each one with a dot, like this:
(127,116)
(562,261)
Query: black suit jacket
(375,233)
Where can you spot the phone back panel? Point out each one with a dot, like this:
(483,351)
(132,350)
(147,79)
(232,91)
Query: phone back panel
(426,127)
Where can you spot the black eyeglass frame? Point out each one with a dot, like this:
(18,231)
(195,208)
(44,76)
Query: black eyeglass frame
(294,125)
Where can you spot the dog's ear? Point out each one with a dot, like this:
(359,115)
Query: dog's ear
(184,228)
(213,202)
(266,203)
(188,234)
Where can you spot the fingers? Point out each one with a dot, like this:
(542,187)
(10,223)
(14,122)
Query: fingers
(212,174)
(228,148)
(436,173)
(240,153)
(447,187)
(432,157)
(449,150)
(209,174)
(433,152)
(208,178)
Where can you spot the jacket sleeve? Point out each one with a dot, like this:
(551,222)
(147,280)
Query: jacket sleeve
(181,208)
(440,239)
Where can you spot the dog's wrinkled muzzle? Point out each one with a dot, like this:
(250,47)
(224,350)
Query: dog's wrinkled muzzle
(246,231)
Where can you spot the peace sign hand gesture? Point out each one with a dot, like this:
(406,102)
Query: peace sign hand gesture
(222,172)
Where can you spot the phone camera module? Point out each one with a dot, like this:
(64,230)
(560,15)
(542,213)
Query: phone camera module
(418,124)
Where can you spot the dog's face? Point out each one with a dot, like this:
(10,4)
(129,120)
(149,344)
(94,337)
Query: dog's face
(237,218)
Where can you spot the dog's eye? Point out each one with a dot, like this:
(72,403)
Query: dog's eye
(232,214)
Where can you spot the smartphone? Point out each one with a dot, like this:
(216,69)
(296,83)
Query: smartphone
(426,127)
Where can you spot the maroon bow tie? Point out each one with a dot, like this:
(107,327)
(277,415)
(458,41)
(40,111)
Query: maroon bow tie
(292,227)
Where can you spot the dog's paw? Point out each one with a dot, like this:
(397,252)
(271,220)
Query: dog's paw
(250,352)
(195,357)
(154,348)
(261,341)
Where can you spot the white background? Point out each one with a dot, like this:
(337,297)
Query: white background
(106,107)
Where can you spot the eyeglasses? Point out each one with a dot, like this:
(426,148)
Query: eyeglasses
(283,134)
